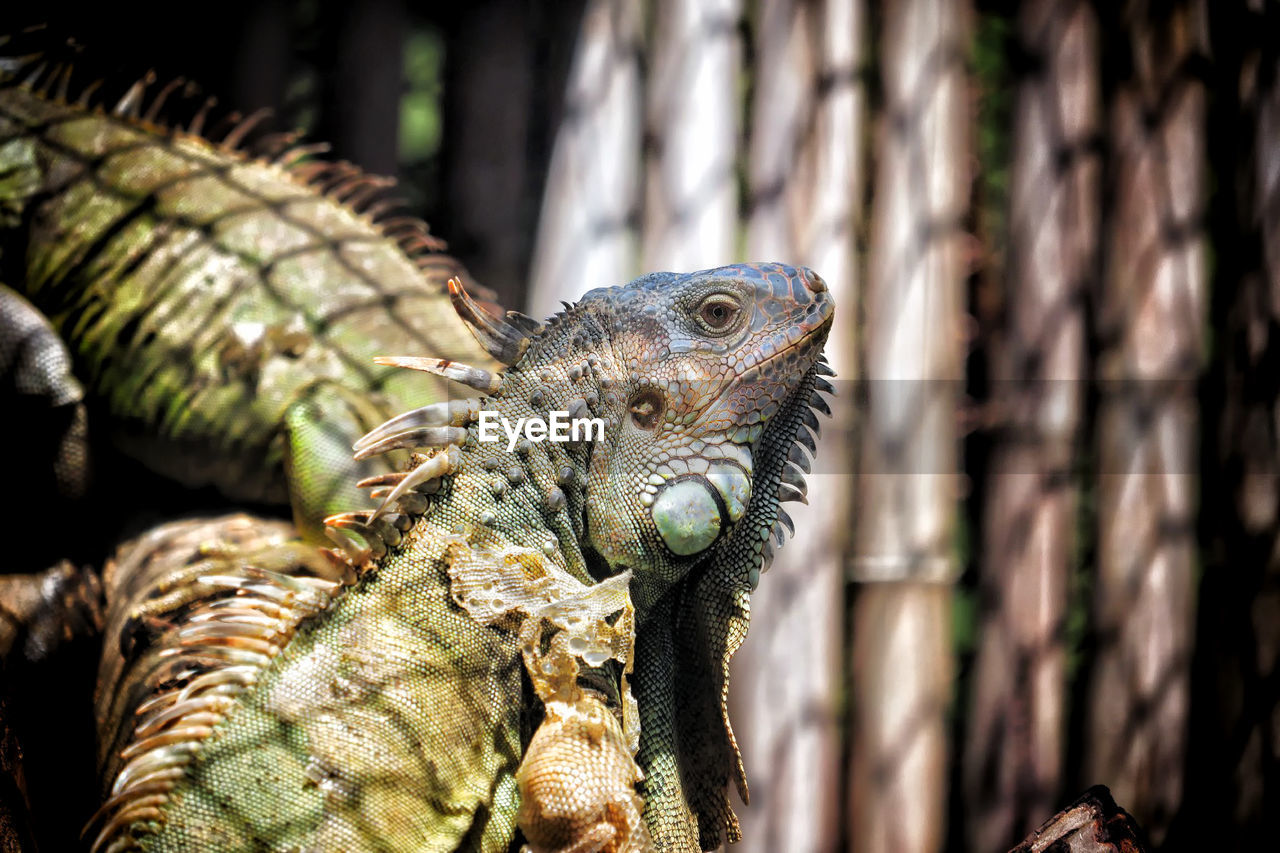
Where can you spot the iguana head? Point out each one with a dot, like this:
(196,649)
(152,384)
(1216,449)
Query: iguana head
(705,366)
(697,376)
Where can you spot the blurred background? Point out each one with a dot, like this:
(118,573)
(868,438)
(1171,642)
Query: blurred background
(1040,548)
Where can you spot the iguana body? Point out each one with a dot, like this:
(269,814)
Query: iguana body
(476,673)
(222,309)
(43,406)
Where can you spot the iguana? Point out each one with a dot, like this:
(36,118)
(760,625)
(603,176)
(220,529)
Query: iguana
(44,408)
(222,308)
(476,677)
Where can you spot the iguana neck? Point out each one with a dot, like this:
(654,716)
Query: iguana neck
(530,497)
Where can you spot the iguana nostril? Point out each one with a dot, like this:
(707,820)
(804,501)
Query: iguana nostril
(812,280)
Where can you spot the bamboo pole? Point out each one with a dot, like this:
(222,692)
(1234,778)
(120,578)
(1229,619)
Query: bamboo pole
(806,185)
(586,232)
(1013,754)
(1151,325)
(691,200)
(902,658)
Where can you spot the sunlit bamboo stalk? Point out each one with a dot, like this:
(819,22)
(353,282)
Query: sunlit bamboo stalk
(1151,325)
(908,481)
(805,185)
(586,232)
(692,120)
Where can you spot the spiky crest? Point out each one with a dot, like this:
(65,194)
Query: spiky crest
(505,339)
(222,648)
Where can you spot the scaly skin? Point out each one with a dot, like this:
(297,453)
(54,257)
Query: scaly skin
(223,309)
(44,410)
(477,674)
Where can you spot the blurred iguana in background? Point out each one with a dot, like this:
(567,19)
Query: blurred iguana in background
(222,307)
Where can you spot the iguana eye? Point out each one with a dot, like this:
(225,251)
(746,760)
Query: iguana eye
(717,312)
(646,408)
